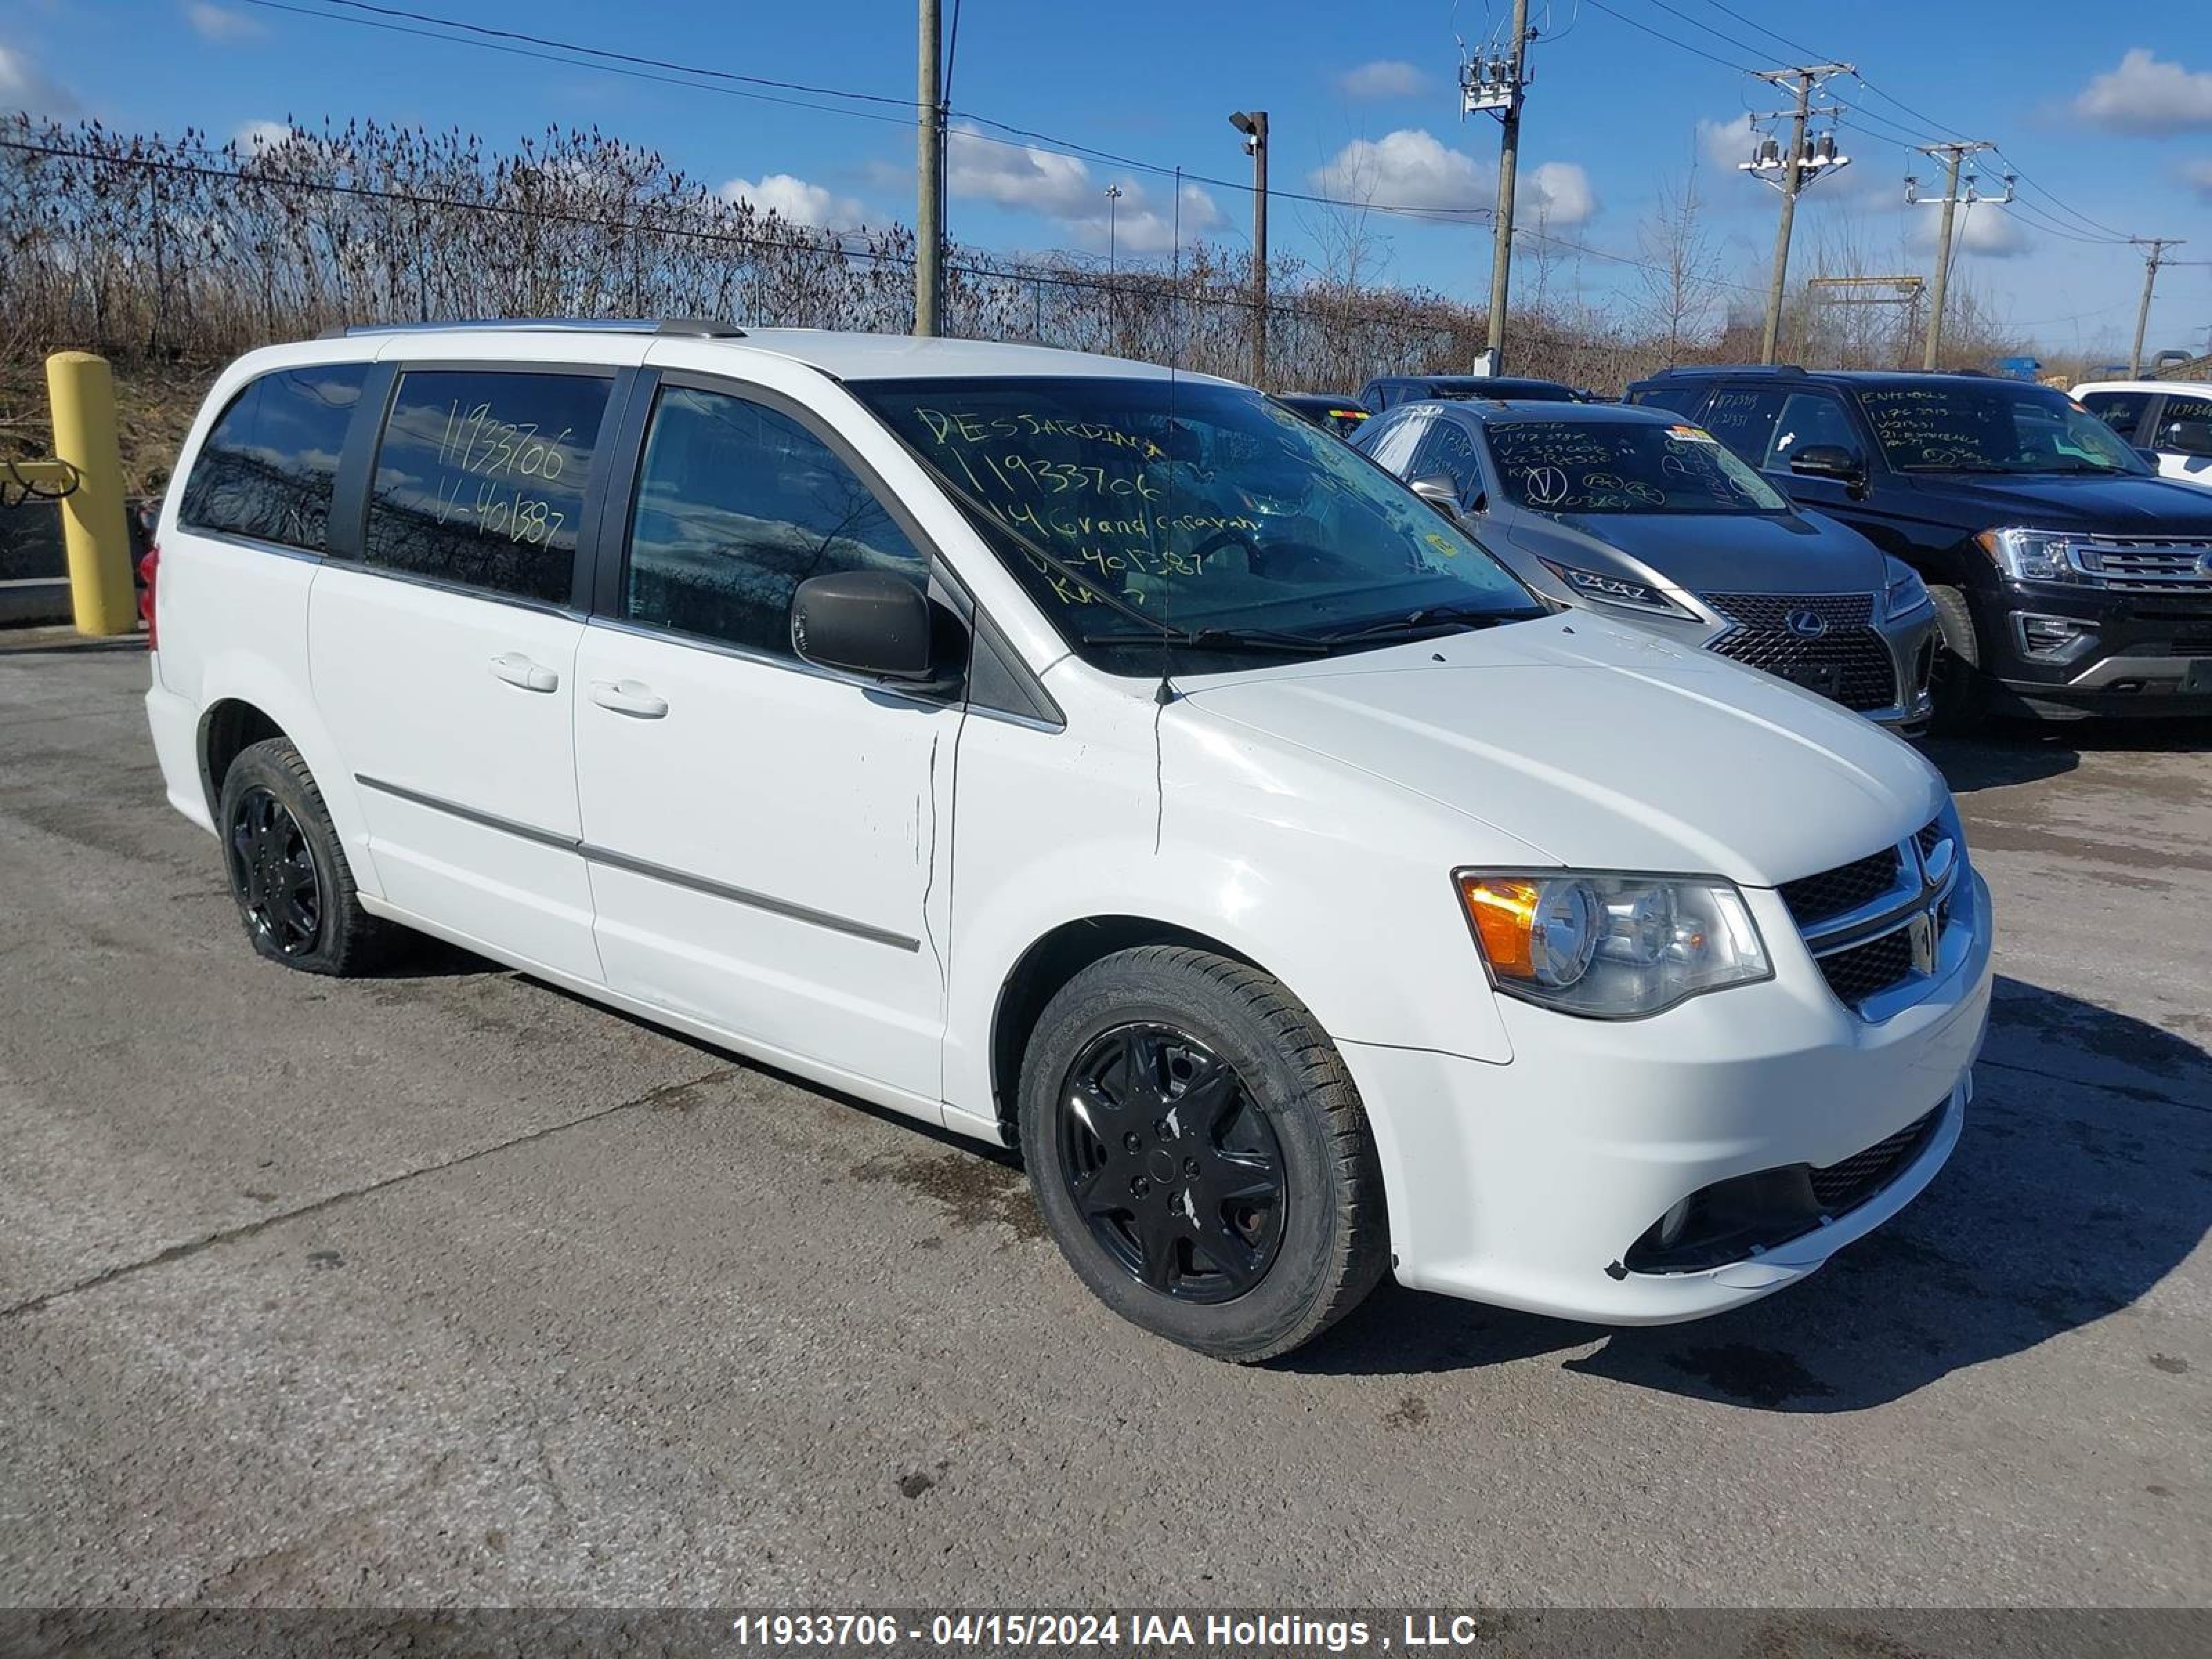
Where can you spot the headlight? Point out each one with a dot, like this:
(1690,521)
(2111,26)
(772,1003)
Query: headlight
(1610,946)
(2032,555)
(1905,593)
(1615,590)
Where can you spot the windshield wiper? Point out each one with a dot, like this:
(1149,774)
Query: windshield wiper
(1420,623)
(1218,639)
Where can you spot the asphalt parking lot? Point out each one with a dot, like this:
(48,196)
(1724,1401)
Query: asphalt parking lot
(448,1288)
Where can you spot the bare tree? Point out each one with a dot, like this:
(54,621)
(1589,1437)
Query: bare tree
(1679,280)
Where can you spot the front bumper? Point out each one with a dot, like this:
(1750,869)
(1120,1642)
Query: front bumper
(1527,1184)
(2128,654)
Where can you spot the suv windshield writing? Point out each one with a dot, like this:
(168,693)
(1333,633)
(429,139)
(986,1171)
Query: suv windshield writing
(1206,508)
(1623,466)
(1948,426)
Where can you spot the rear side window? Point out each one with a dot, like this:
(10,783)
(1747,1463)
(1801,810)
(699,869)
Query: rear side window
(1682,399)
(1742,417)
(267,468)
(737,505)
(480,479)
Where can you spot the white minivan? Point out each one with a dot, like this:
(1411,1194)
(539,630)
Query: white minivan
(1091,758)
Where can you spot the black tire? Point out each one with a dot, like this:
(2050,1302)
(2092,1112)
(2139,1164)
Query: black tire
(288,876)
(1308,1256)
(1959,689)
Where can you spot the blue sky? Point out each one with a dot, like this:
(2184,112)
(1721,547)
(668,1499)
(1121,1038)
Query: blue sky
(2113,125)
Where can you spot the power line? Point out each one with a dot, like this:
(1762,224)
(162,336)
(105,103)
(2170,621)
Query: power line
(1672,40)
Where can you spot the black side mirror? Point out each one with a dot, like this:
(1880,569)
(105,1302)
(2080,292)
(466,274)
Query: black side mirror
(2189,437)
(1829,461)
(1439,492)
(868,622)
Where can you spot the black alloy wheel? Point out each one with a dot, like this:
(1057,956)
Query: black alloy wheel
(1172,1166)
(273,872)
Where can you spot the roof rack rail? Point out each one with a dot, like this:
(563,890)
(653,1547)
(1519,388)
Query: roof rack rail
(1734,368)
(691,328)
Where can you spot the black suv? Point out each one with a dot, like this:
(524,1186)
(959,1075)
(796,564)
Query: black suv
(2070,579)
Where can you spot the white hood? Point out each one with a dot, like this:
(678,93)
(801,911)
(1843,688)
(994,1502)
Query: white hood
(1605,746)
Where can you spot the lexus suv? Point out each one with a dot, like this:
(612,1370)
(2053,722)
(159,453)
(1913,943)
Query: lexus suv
(2068,578)
(1634,513)
(1086,757)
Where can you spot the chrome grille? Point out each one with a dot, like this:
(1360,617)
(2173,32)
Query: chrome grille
(1850,662)
(1865,970)
(2144,565)
(1815,898)
(1872,903)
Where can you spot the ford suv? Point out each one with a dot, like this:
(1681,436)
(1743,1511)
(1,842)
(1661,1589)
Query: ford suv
(1086,757)
(2068,577)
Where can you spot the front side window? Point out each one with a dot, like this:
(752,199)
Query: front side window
(737,505)
(1809,419)
(269,465)
(1952,426)
(2122,411)
(2185,426)
(1206,509)
(1446,450)
(480,479)
(1582,466)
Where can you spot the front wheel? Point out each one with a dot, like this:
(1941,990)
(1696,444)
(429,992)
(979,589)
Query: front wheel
(1957,686)
(1201,1154)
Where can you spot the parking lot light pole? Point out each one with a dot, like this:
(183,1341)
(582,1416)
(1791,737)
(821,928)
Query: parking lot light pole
(1253,124)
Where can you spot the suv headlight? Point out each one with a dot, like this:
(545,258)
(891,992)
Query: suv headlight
(2031,555)
(1905,592)
(1615,590)
(1610,946)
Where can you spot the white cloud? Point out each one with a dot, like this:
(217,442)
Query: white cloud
(1728,143)
(263,135)
(1562,195)
(2145,96)
(1983,228)
(220,24)
(1409,169)
(1387,77)
(1412,169)
(2197,175)
(796,201)
(1062,189)
(23,87)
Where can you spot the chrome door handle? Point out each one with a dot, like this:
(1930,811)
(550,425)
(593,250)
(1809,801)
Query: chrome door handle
(632,697)
(518,670)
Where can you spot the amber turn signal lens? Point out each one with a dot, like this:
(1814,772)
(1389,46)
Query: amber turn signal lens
(1504,912)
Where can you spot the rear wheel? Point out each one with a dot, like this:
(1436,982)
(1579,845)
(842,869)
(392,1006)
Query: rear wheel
(1199,1152)
(1957,685)
(288,875)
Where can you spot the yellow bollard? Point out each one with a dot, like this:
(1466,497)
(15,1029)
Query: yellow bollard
(83,393)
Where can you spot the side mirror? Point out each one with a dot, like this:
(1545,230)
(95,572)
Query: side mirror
(1439,492)
(1829,461)
(868,622)
(2189,437)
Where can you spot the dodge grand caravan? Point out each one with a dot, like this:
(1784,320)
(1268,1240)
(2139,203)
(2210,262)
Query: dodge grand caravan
(1088,759)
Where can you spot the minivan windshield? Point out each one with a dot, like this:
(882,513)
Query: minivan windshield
(1196,515)
(1953,426)
(1568,466)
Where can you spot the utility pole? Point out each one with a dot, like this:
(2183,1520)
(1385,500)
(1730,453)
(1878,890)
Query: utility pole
(1798,168)
(929,178)
(1498,87)
(1951,155)
(1253,124)
(2152,261)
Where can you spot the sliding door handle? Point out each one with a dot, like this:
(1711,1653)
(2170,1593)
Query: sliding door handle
(632,697)
(518,670)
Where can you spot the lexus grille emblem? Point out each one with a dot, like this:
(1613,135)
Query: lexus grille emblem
(1806,624)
